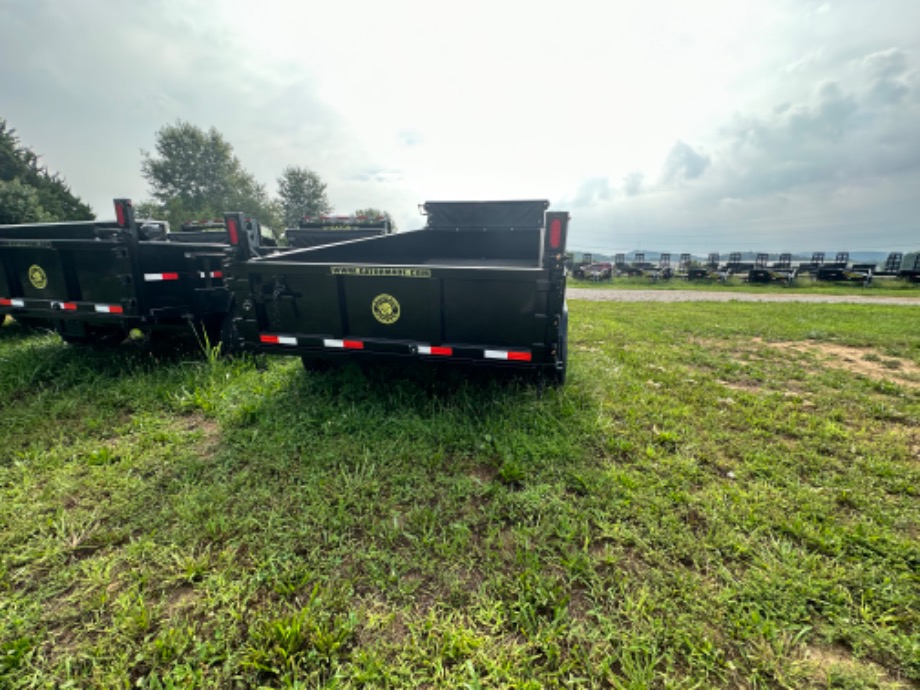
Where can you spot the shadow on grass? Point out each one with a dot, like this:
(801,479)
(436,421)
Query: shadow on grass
(32,358)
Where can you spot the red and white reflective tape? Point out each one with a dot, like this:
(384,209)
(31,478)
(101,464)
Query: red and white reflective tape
(212,274)
(516,356)
(278,339)
(66,306)
(12,302)
(110,309)
(435,350)
(154,277)
(344,344)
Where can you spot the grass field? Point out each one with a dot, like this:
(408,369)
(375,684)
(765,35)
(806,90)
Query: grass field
(724,495)
(880,287)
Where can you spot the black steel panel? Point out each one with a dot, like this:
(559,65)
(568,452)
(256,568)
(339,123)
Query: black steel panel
(460,247)
(485,214)
(392,308)
(492,312)
(301,237)
(303,303)
(41,273)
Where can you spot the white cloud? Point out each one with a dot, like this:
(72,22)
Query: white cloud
(785,114)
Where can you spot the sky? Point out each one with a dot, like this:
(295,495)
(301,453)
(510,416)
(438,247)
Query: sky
(719,125)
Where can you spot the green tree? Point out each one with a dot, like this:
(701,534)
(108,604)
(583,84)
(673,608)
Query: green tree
(301,192)
(195,175)
(19,203)
(53,200)
(372,212)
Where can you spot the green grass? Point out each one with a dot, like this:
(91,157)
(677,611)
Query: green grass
(701,506)
(880,287)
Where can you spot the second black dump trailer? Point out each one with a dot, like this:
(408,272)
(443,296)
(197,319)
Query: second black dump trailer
(94,281)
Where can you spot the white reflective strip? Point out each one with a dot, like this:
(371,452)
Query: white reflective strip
(334,343)
(212,274)
(495,354)
(103,308)
(286,340)
(17,303)
(424,349)
(151,277)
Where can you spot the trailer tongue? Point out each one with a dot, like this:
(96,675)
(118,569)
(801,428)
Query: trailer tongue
(483,283)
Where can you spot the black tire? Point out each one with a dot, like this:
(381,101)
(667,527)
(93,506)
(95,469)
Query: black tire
(213,330)
(31,324)
(229,344)
(97,336)
(315,364)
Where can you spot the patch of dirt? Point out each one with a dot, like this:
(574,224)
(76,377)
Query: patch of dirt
(864,361)
(484,474)
(181,598)
(208,428)
(827,659)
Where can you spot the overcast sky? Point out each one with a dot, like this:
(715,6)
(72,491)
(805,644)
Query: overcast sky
(669,125)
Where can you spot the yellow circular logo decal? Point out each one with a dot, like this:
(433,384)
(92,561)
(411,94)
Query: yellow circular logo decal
(37,277)
(385,309)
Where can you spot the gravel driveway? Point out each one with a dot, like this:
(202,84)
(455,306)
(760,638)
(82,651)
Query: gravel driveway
(697,296)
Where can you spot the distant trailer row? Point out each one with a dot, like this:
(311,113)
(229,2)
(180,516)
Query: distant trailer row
(759,270)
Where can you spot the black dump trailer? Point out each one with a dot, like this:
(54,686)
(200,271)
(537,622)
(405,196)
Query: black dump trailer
(483,283)
(316,231)
(94,281)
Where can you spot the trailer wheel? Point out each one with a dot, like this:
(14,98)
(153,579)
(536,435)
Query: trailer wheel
(316,364)
(99,336)
(228,337)
(563,349)
(31,324)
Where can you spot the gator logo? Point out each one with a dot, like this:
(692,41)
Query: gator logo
(385,309)
(37,277)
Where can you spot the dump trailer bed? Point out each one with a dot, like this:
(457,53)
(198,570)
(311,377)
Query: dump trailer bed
(483,283)
(95,281)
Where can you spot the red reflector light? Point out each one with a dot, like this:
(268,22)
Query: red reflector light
(170,276)
(217,274)
(443,351)
(120,214)
(69,306)
(269,339)
(519,356)
(353,344)
(555,233)
(5,302)
(233,231)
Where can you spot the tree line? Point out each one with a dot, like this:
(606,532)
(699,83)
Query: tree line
(29,192)
(193,174)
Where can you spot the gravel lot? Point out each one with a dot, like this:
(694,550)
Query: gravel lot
(696,296)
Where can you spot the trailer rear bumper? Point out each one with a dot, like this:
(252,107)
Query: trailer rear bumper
(328,347)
